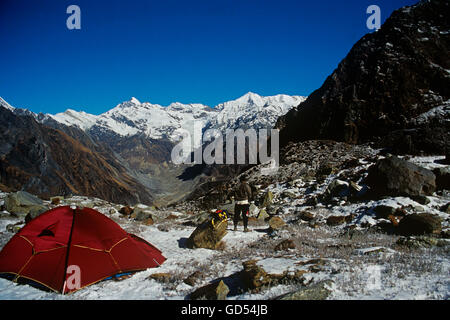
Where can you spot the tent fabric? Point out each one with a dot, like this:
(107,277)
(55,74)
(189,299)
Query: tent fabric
(62,238)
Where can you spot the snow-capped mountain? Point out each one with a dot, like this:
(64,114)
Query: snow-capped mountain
(253,111)
(155,121)
(6,104)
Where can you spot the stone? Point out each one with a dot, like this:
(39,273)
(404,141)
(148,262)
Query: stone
(396,177)
(255,278)
(419,224)
(285,245)
(263,215)
(442,178)
(383,211)
(126,211)
(337,188)
(306,216)
(56,200)
(141,214)
(268,199)
(21,203)
(315,292)
(207,235)
(276,223)
(193,278)
(161,277)
(421,199)
(446,208)
(336,220)
(214,291)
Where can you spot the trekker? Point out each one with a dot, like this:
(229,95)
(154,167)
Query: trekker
(243,196)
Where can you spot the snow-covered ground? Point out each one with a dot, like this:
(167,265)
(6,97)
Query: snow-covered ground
(357,263)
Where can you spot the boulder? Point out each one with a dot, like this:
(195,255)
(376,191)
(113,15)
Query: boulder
(383,211)
(255,278)
(276,223)
(214,291)
(442,178)
(142,214)
(56,200)
(446,208)
(21,203)
(337,188)
(263,215)
(126,211)
(336,220)
(419,224)
(306,216)
(208,235)
(396,177)
(268,199)
(421,199)
(285,245)
(161,277)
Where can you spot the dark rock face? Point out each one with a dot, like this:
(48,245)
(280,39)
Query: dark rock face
(381,90)
(47,162)
(419,224)
(396,177)
(442,178)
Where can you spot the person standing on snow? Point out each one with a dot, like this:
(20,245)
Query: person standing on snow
(243,196)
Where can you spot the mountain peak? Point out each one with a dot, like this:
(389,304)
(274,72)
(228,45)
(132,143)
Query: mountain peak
(134,100)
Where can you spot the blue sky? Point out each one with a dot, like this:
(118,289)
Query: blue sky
(190,51)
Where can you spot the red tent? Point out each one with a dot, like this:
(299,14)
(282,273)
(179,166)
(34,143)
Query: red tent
(66,249)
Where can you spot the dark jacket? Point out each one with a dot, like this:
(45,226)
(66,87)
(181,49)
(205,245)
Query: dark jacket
(243,192)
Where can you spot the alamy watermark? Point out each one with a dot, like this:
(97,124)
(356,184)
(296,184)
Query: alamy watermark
(236,147)
(73,281)
(374,20)
(73,22)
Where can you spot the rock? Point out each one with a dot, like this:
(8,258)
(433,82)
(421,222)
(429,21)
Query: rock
(421,242)
(13,228)
(315,292)
(288,194)
(306,216)
(421,199)
(419,224)
(396,177)
(336,220)
(35,212)
(126,211)
(276,223)
(161,277)
(56,200)
(214,291)
(337,188)
(285,245)
(263,215)
(442,178)
(446,208)
(193,278)
(255,278)
(141,214)
(253,210)
(268,199)
(21,203)
(207,235)
(383,211)
(355,188)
